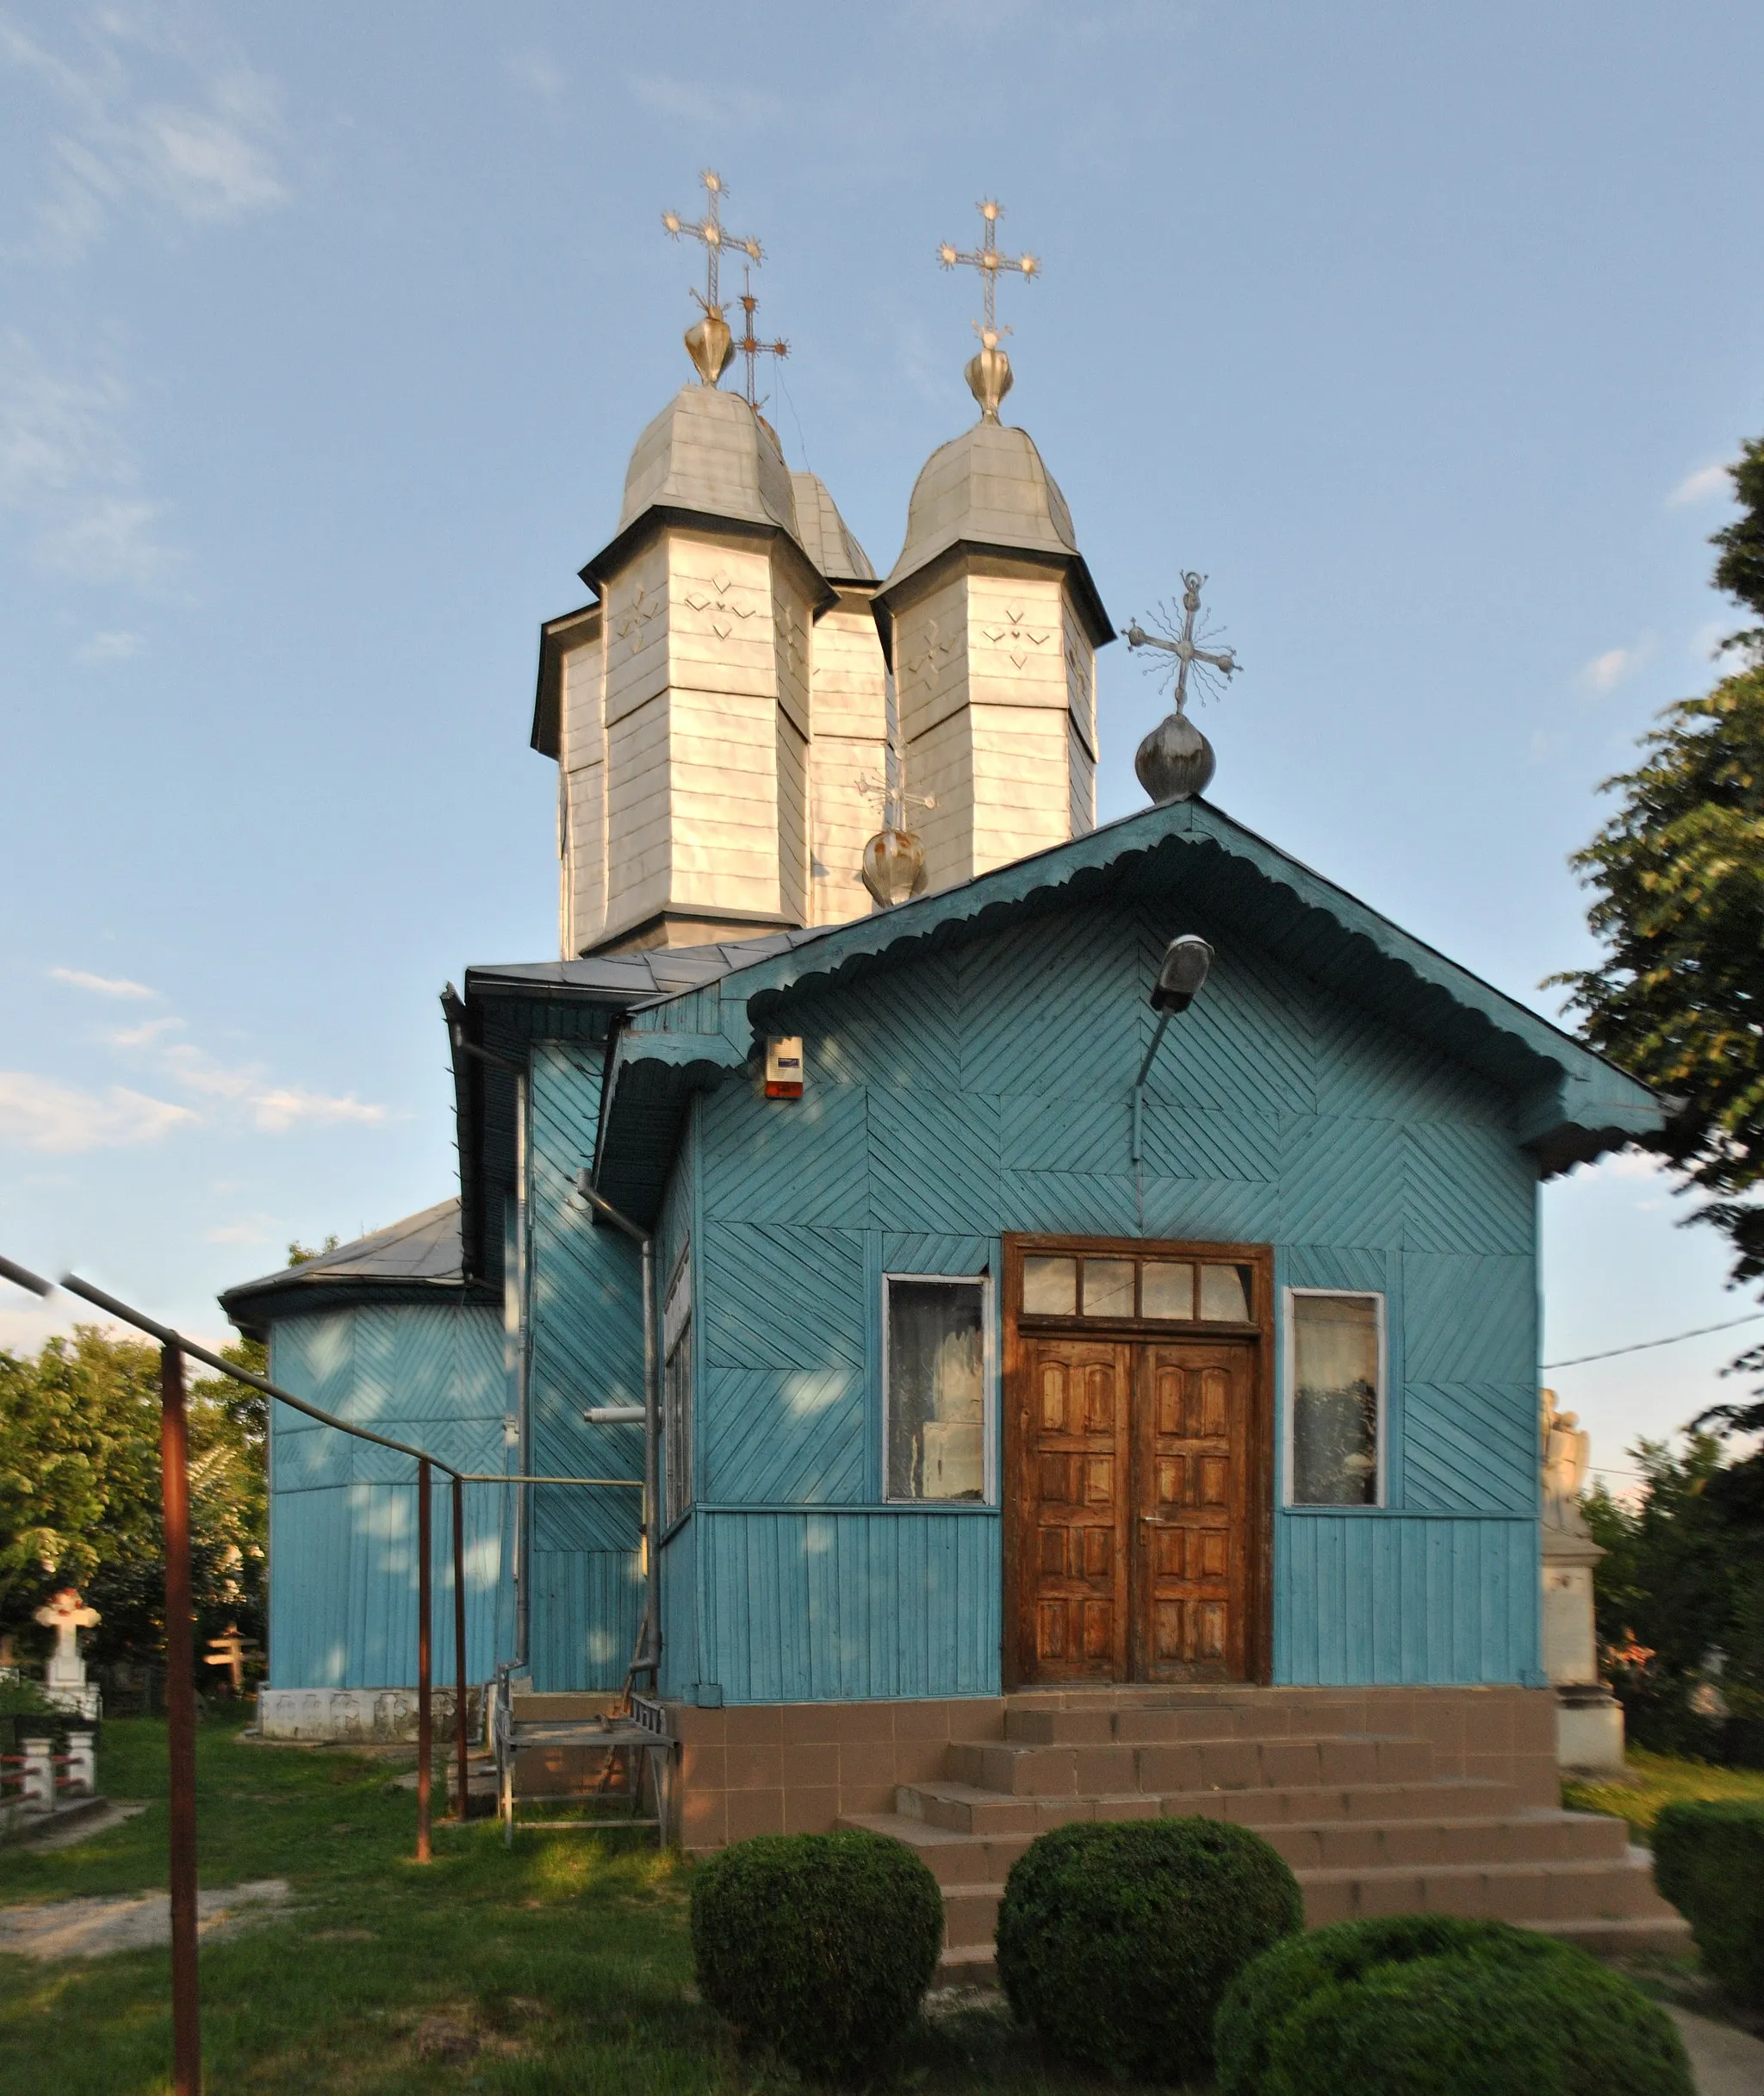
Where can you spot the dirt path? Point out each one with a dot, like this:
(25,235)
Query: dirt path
(131,1921)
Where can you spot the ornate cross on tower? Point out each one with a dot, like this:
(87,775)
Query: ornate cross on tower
(1183,645)
(988,372)
(709,343)
(1176,760)
(749,344)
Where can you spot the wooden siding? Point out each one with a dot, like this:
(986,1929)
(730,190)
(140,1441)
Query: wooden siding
(987,1088)
(588,1349)
(342,1587)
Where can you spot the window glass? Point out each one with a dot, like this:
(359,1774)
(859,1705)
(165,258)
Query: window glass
(677,1423)
(1224,1294)
(1166,1289)
(1108,1288)
(936,1389)
(1335,1401)
(1050,1287)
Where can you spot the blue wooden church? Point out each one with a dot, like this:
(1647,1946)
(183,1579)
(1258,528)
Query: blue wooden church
(1080,1380)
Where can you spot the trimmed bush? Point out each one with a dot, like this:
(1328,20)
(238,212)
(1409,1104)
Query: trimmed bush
(1709,1861)
(820,1946)
(1117,1938)
(1456,2007)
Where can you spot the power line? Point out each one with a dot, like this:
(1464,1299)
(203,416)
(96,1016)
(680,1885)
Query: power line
(1642,1345)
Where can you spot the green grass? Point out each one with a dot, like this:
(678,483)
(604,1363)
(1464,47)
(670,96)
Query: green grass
(1656,1780)
(566,1958)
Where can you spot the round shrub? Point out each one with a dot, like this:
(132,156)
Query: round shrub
(1116,1938)
(1709,1861)
(1457,2008)
(820,1946)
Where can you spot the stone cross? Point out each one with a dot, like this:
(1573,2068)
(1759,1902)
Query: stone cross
(66,1615)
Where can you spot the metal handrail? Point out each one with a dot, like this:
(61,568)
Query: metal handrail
(180,1685)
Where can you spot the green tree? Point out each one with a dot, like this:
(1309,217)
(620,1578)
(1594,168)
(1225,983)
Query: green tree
(1678,880)
(79,1491)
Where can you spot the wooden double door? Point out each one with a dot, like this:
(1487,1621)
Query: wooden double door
(1140,1483)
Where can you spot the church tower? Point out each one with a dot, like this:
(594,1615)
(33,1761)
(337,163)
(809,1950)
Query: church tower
(992,623)
(712,713)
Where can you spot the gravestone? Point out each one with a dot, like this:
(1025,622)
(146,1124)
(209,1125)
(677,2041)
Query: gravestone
(65,1684)
(1588,1717)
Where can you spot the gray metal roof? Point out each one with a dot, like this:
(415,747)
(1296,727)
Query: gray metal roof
(420,1252)
(825,536)
(628,980)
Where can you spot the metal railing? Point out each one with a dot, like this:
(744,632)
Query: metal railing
(180,1658)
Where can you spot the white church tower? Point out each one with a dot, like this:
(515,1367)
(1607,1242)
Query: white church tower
(712,713)
(992,625)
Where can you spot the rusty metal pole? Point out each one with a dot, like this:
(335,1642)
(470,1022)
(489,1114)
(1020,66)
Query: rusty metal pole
(180,1726)
(459,1738)
(426,1737)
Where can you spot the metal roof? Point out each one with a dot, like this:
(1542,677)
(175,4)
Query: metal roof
(415,1256)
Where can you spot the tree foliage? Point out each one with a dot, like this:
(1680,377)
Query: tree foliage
(79,1491)
(1683,1578)
(1677,881)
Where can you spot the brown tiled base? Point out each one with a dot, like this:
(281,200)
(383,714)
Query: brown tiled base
(801,1768)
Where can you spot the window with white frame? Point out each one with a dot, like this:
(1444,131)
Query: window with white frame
(677,1391)
(1335,1381)
(936,1376)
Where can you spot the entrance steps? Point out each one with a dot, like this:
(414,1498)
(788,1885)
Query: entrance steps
(1363,1818)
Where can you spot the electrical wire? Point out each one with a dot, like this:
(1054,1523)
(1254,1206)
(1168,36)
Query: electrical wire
(1642,1345)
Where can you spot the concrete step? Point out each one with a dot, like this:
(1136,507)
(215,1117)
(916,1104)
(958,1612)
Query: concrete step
(1555,1892)
(1668,1932)
(1021,1770)
(968,1809)
(958,1859)
(1222,1715)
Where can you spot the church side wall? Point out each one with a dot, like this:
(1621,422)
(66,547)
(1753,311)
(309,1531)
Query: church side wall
(343,1593)
(588,1350)
(988,1089)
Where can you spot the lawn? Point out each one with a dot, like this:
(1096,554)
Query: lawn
(562,1964)
(1655,1780)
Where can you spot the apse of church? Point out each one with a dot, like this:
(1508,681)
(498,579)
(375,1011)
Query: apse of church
(721,715)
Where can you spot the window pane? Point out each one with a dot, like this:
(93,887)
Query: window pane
(1108,1288)
(1050,1287)
(936,1391)
(1224,1294)
(1335,1401)
(677,1423)
(1166,1289)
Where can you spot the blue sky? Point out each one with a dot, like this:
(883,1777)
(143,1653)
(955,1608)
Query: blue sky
(325,333)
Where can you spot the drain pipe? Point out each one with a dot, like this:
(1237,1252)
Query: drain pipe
(518,1286)
(647,1659)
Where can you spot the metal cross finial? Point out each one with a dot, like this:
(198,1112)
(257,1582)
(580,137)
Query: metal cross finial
(716,237)
(748,344)
(1181,645)
(987,259)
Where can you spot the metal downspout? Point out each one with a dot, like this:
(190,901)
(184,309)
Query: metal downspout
(647,1659)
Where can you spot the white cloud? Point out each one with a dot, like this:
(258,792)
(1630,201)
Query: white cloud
(246,1088)
(251,1233)
(38,1114)
(144,124)
(103,648)
(1605,672)
(143,1036)
(70,478)
(1700,486)
(294,1106)
(720,103)
(103,985)
(536,70)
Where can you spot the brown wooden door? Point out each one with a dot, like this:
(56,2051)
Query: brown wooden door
(1073,1478)
(1191,1513)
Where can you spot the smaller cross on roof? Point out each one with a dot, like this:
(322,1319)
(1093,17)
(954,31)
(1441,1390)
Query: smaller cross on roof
(749,344)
